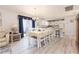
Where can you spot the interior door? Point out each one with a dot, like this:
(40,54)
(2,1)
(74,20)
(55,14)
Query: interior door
(77,34)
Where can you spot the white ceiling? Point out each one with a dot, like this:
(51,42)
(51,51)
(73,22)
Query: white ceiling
(43,11)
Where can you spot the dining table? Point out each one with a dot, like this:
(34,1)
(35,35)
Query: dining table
(38,34)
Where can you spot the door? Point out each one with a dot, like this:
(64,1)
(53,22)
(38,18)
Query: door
(77,34)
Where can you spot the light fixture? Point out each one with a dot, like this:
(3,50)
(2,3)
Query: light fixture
(35,15)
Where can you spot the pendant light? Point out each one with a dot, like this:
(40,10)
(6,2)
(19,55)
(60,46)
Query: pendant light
(35,15)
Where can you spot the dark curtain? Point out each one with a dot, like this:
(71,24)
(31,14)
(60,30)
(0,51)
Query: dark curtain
(33,24)
(21,26)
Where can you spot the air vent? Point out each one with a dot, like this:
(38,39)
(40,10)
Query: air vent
(69,8)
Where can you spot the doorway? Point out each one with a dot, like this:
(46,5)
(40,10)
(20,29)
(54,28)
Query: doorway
(24,23)
(27,24)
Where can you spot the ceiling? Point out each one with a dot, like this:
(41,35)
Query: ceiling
(48,12)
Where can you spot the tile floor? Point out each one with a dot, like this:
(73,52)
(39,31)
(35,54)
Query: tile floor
(60,46)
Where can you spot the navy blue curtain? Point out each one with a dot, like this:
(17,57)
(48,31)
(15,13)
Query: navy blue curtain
(21,26)
(33,24)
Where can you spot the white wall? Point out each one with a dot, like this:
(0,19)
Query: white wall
(8,18)
(42,11)
(45,11)
(76,7)
(70,26)
(70,22)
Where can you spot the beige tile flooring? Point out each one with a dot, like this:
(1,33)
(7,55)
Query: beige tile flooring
(60,46)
